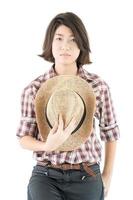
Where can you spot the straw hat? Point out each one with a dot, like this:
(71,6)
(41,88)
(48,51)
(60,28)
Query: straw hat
(69,95)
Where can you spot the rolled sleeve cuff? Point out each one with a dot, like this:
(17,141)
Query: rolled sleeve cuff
(110,133)
(27,127)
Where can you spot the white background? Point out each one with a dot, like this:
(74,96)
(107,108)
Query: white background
(22,29)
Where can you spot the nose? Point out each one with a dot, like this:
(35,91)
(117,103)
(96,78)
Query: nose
(65,46)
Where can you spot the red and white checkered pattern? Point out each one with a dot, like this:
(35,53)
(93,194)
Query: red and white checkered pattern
(89,151)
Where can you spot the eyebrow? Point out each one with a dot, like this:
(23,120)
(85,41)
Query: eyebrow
(59,34)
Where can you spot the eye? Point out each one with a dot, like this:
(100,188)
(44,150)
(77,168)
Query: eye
(73,40)
(58,38)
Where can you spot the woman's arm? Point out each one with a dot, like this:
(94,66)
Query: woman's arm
(30,143)
(110,150)
(57,135)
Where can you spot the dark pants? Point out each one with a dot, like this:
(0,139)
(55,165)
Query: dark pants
(56,184)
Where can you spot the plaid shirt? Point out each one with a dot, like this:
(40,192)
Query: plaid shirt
(89,151)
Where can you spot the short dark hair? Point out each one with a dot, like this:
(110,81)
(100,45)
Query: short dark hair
(72,21)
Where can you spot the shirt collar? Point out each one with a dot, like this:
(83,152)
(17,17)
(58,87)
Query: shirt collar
(81,72)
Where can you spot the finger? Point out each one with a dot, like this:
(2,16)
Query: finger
(55,127)
(72,125)
(105,192)
(61,123)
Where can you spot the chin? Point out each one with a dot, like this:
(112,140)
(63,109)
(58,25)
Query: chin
(65,63)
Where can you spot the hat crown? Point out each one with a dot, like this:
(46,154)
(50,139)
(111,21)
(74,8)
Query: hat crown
(67,103)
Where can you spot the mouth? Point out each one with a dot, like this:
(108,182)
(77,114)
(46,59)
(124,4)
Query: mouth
(65,54)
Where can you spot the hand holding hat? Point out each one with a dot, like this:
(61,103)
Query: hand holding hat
(59,134)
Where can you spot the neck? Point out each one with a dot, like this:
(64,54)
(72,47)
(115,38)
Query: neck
(66,69)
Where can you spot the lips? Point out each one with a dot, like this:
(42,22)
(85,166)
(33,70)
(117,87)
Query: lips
(65,54)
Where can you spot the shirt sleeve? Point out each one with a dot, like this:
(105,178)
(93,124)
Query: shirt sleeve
(27,125)
(109,130)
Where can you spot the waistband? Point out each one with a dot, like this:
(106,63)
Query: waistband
(68,166)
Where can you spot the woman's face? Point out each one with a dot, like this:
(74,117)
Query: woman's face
(64,48)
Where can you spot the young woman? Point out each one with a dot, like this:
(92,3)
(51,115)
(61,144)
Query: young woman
(61,175)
